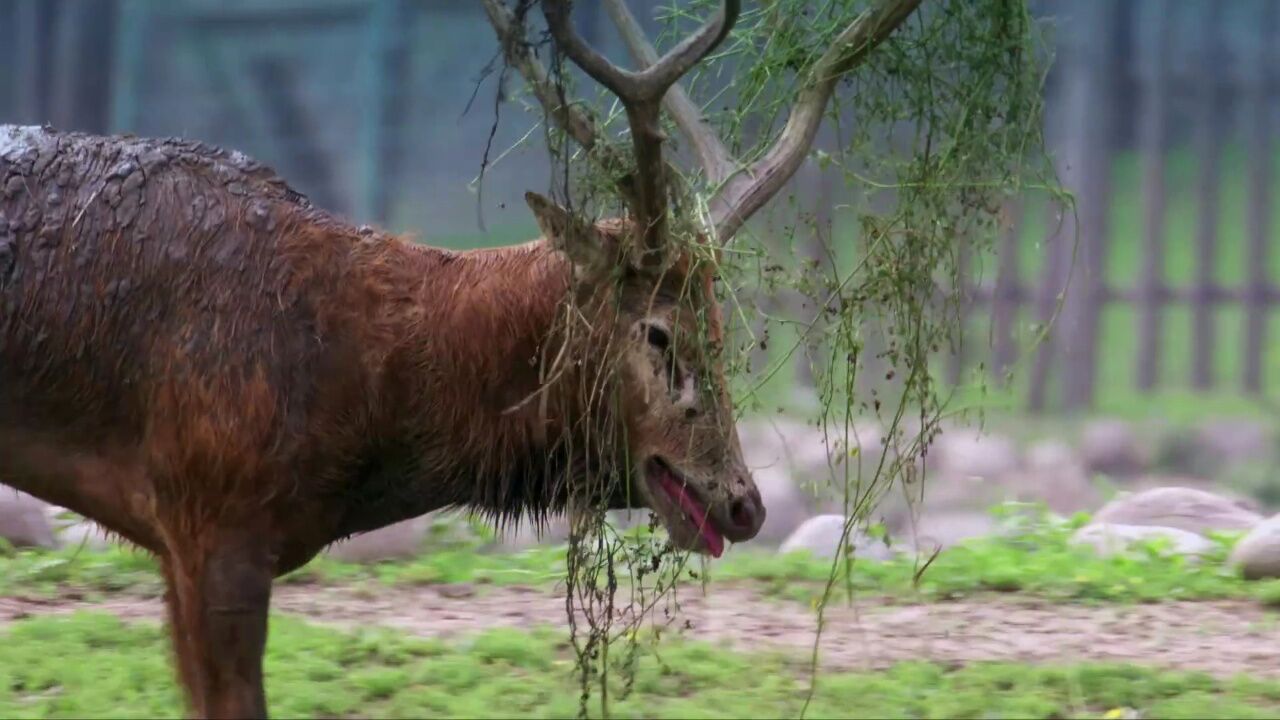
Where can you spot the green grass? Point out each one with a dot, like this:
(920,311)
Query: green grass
(1033,557)
(93,665)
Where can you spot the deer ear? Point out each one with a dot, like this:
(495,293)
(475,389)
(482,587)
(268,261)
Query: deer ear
(553,220)
(587,248)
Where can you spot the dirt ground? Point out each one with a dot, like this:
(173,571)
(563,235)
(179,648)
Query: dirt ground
(1221,638)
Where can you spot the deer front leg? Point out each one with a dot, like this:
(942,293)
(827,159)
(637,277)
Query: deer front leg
(223,598)
(180,636)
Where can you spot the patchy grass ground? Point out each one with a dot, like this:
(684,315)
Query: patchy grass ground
(120,670)
(1020,625)
(1033,558)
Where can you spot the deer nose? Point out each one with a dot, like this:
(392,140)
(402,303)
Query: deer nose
(747,515)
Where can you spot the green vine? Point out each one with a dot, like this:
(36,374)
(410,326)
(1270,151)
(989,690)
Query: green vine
(930,137)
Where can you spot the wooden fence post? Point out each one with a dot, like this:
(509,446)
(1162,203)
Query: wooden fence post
(1086,155)
(127,65)
(1058,246)
(1153,139)
(963,291)
(29,50)
(1006,295)
(1258,218)
(1208,151)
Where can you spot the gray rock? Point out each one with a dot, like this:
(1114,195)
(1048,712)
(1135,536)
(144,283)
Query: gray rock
(786,505)
(525,535)
(1062,488)
(1257,555)
(821,536)
(1109,539)
(400,540)
(815,460)
(24,520)
(944,529)
(1223,443)
(1112,447)
(84,533)
(1188,509)
(964,452)
(1052,455)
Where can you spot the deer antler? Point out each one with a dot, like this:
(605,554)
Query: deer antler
(714,157)
(510,33)
(641,94)
(747,191)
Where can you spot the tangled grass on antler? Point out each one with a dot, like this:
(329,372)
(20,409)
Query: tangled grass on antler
(934,127)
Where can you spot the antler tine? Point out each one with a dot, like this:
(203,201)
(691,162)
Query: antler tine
(745,193)
(716,160)
(652,82)
(641,94)
(511,35)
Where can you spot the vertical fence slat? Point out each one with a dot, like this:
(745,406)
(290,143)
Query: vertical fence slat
(382,23)
(1005,296)
(814,254)
(1258,220)
(8,59)
(127,65)
(29,105)
(1208,152)
(1087,154)
(1153,132)
(956,363)
(1058,250)
(71,51)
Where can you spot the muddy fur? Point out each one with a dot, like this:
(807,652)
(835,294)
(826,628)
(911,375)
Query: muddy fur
(179,314)
(208,366)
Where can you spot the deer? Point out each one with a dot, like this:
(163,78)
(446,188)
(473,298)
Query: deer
(221,374)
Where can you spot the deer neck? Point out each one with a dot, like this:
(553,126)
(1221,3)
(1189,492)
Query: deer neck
(489,409)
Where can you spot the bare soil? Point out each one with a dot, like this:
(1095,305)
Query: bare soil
(1222,638)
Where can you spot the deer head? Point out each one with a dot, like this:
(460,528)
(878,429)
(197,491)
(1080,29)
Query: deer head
(662,314)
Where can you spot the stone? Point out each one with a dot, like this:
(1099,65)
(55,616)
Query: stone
(525,535)
(1063,488)
(1189,509)
(24,520)
(404,539)
(821,536)
(1112,447)
(786,505)
(965,452)
(944,529)
(1257,555)
(1052,455)
(628,519)
(86,534)
(815,460)
(1109,539)
(1237,498)
(1228,442)
(447,528)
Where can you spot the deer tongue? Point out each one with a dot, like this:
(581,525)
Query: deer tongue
(696,512)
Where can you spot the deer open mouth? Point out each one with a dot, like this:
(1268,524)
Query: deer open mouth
(685,505)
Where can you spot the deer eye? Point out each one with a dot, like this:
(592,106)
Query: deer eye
(659,338)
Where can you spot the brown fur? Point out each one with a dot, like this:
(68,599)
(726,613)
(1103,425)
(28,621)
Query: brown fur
(197,359)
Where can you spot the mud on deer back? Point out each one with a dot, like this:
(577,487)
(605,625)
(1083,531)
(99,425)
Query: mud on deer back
(197,359)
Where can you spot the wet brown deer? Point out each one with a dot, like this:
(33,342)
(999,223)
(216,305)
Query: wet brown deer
(197,359)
